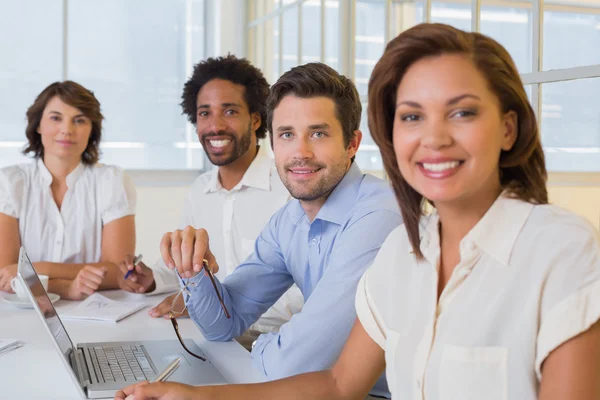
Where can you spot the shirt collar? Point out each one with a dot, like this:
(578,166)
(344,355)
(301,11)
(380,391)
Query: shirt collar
(214,185)
(258,174)
(71,178)
(340,201)
(496,233)
(46,175)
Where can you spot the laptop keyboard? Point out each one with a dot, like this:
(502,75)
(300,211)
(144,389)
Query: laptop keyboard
(121,364)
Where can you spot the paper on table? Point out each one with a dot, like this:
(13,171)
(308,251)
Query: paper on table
(7,345)
(101,308)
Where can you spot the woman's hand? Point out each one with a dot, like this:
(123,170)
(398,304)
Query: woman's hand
(6,275)
(140,280)
(87,282)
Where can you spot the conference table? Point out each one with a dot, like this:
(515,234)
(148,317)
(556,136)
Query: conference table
(35,371)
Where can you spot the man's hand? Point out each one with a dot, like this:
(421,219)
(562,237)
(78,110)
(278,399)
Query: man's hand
(87,281)
(160,391)
(6,275)
(185,250)
(164,307)
(141,280)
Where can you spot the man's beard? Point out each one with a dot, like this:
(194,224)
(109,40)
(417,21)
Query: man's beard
(239,147)
(322,187)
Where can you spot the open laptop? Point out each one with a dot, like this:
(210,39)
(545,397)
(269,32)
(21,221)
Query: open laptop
(100,369)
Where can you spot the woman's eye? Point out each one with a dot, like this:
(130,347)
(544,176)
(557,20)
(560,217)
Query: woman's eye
(464,113)
(410,118)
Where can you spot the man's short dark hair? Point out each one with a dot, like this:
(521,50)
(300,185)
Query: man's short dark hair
(235,70)
(315,80)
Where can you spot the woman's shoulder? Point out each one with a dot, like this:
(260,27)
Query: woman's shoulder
(106,173)
(100,169)
(549,221)
(108,177)
(395,248)
(555,237)
(17,173)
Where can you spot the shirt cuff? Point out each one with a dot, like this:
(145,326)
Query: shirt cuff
(366,314)
(8,210)
(572,316)
(165,280)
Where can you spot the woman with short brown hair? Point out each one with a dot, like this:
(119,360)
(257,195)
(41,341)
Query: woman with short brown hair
(73,215)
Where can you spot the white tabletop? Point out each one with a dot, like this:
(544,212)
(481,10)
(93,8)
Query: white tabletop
(35,371)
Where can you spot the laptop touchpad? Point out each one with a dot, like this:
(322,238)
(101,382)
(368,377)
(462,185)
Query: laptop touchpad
(168,359)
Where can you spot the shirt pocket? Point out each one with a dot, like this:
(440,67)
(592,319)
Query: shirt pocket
(391,370)
(247,249)
(473,373)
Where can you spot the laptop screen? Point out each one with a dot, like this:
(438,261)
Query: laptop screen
(55,326)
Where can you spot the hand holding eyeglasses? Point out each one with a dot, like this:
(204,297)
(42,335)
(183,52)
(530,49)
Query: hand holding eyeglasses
(187,252)
(185,249)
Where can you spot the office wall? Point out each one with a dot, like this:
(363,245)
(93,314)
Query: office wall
(159,211)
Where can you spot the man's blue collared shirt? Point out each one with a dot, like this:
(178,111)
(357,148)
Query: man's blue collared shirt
(325,258)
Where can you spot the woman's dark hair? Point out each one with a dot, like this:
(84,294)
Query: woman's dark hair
(235,70)
(522,168)
(76,96)
(317,79)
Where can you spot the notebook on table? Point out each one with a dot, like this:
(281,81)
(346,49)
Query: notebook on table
(100,308)
(100,369)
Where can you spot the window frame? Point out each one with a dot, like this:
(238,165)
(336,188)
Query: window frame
(150,177)
(346,50)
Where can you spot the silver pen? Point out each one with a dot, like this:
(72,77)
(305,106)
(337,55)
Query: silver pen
(171,368)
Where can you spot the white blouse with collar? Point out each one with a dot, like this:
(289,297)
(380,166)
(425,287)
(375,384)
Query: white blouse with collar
(96,196)
(528,280)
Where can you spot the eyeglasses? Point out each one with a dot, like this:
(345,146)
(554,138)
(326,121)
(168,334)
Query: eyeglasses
(177,311)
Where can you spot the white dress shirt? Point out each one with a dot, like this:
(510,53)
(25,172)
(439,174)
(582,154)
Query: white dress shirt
(96,195)
(528,280)
(234,219)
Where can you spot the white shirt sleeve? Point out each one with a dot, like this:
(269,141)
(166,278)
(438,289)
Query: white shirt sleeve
(570,299)
(117,194)
(164,279)
(12,187)
(282,311)
(366,312)
(377,278)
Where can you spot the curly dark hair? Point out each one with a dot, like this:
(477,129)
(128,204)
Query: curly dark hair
(235,70)
(77,96)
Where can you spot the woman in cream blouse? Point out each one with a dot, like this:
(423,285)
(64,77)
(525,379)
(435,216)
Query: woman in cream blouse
(494,295)
(74,216)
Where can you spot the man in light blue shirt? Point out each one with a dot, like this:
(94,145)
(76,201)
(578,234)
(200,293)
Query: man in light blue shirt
(323,240)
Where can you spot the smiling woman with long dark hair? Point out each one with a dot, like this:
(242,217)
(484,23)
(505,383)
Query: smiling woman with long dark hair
(73,215)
